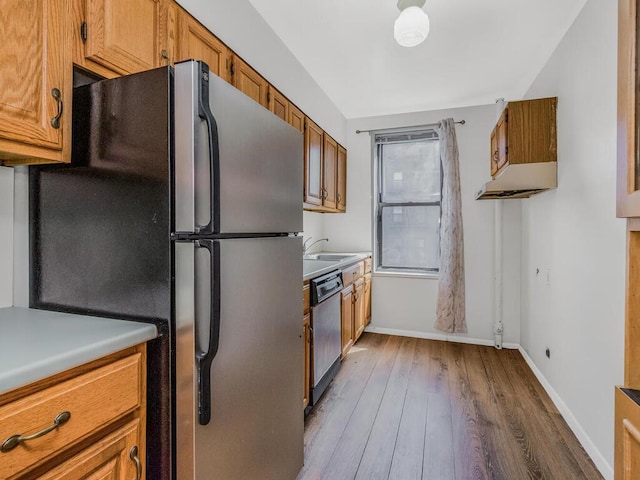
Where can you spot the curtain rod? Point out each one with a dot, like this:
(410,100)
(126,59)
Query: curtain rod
(461,122)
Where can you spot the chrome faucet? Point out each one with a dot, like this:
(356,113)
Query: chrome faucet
(305,247)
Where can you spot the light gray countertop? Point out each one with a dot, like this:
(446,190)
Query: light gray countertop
(315,268)
(35,344)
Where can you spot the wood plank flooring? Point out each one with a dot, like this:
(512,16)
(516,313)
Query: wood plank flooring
(407,408)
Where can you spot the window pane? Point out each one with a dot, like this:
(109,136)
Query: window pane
(410,171)
(410,237)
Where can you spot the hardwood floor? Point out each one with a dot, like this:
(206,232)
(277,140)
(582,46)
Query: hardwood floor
(407,408)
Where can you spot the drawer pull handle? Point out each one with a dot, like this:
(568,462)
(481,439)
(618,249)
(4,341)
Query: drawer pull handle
(15,440)
(55,121)
(133,455)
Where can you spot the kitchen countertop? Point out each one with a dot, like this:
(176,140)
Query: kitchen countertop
(315,268)
(35,344)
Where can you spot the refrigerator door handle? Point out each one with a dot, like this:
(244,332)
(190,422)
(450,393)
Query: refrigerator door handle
(204,359)
(204,112)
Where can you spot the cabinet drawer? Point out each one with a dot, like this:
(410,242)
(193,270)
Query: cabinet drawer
(93,399)
(352,273)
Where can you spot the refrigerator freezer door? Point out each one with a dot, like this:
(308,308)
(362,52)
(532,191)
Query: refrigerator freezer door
(259,174)
(256,425)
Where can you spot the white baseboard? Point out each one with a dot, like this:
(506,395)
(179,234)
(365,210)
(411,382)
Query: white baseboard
(601,463)
(437,336)
(598,459)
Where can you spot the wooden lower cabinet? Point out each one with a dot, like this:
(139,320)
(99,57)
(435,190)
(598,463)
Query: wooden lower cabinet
(627,434)
(346,318)
(103,410)
(358,308)
(367,299)
(110,458)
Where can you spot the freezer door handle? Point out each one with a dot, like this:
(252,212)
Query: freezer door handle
(204,359)
(204,112)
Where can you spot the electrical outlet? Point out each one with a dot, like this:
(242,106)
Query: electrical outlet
(547,352)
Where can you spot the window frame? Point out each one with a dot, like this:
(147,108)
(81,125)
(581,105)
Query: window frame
(379,204)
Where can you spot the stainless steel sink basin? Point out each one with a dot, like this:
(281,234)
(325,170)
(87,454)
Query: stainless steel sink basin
(329,257)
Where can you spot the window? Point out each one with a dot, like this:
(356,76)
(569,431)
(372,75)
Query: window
(407,207)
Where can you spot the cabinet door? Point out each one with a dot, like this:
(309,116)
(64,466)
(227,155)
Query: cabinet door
(367,299)
(502,140)
(494,151)
(341,195)
(330,177)
(306,338)
(35,68)
(358,308)
(198,43)
(628,171)
(248,81)
(296,117)
(109,458)
(627,434)
(124,35)
(278,103)
(346,319)
(313,156)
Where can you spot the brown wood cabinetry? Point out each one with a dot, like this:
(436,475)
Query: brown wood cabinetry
(248,81)
(196,42)
(93,400)
(278,103)
(296,117)
(358,309)
(341,195)
(346,319)
(628,152)
(627,434)
(123,36)
(367,298)
(313,160)
(525,133)
(35,98)
(330,173)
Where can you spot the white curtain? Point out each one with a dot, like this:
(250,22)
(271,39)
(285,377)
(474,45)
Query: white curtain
(450,310)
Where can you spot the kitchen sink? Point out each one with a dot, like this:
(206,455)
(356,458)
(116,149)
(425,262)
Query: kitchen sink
(330,257)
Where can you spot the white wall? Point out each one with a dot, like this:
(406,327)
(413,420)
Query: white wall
(408,304)
(6,236)
(575,306)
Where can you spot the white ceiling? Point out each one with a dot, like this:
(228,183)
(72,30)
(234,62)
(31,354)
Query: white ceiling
(477,51)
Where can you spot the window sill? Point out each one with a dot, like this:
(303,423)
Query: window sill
(428,276)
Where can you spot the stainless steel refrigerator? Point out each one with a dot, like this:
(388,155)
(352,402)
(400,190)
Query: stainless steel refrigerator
(181,207)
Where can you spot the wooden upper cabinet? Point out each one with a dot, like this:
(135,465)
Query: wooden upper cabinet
(313,160)
(499,147)
(525,133)
(341,196)
(296,117)
(198,43)
(330,177)
(125,36)
(248,81)
(278,103)
(628,174)
(35,68)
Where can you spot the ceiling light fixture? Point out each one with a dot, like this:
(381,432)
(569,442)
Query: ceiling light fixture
(412,26)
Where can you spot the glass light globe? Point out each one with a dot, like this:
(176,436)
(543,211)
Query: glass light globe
(411,27)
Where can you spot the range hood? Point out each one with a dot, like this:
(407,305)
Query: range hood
(521,181)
